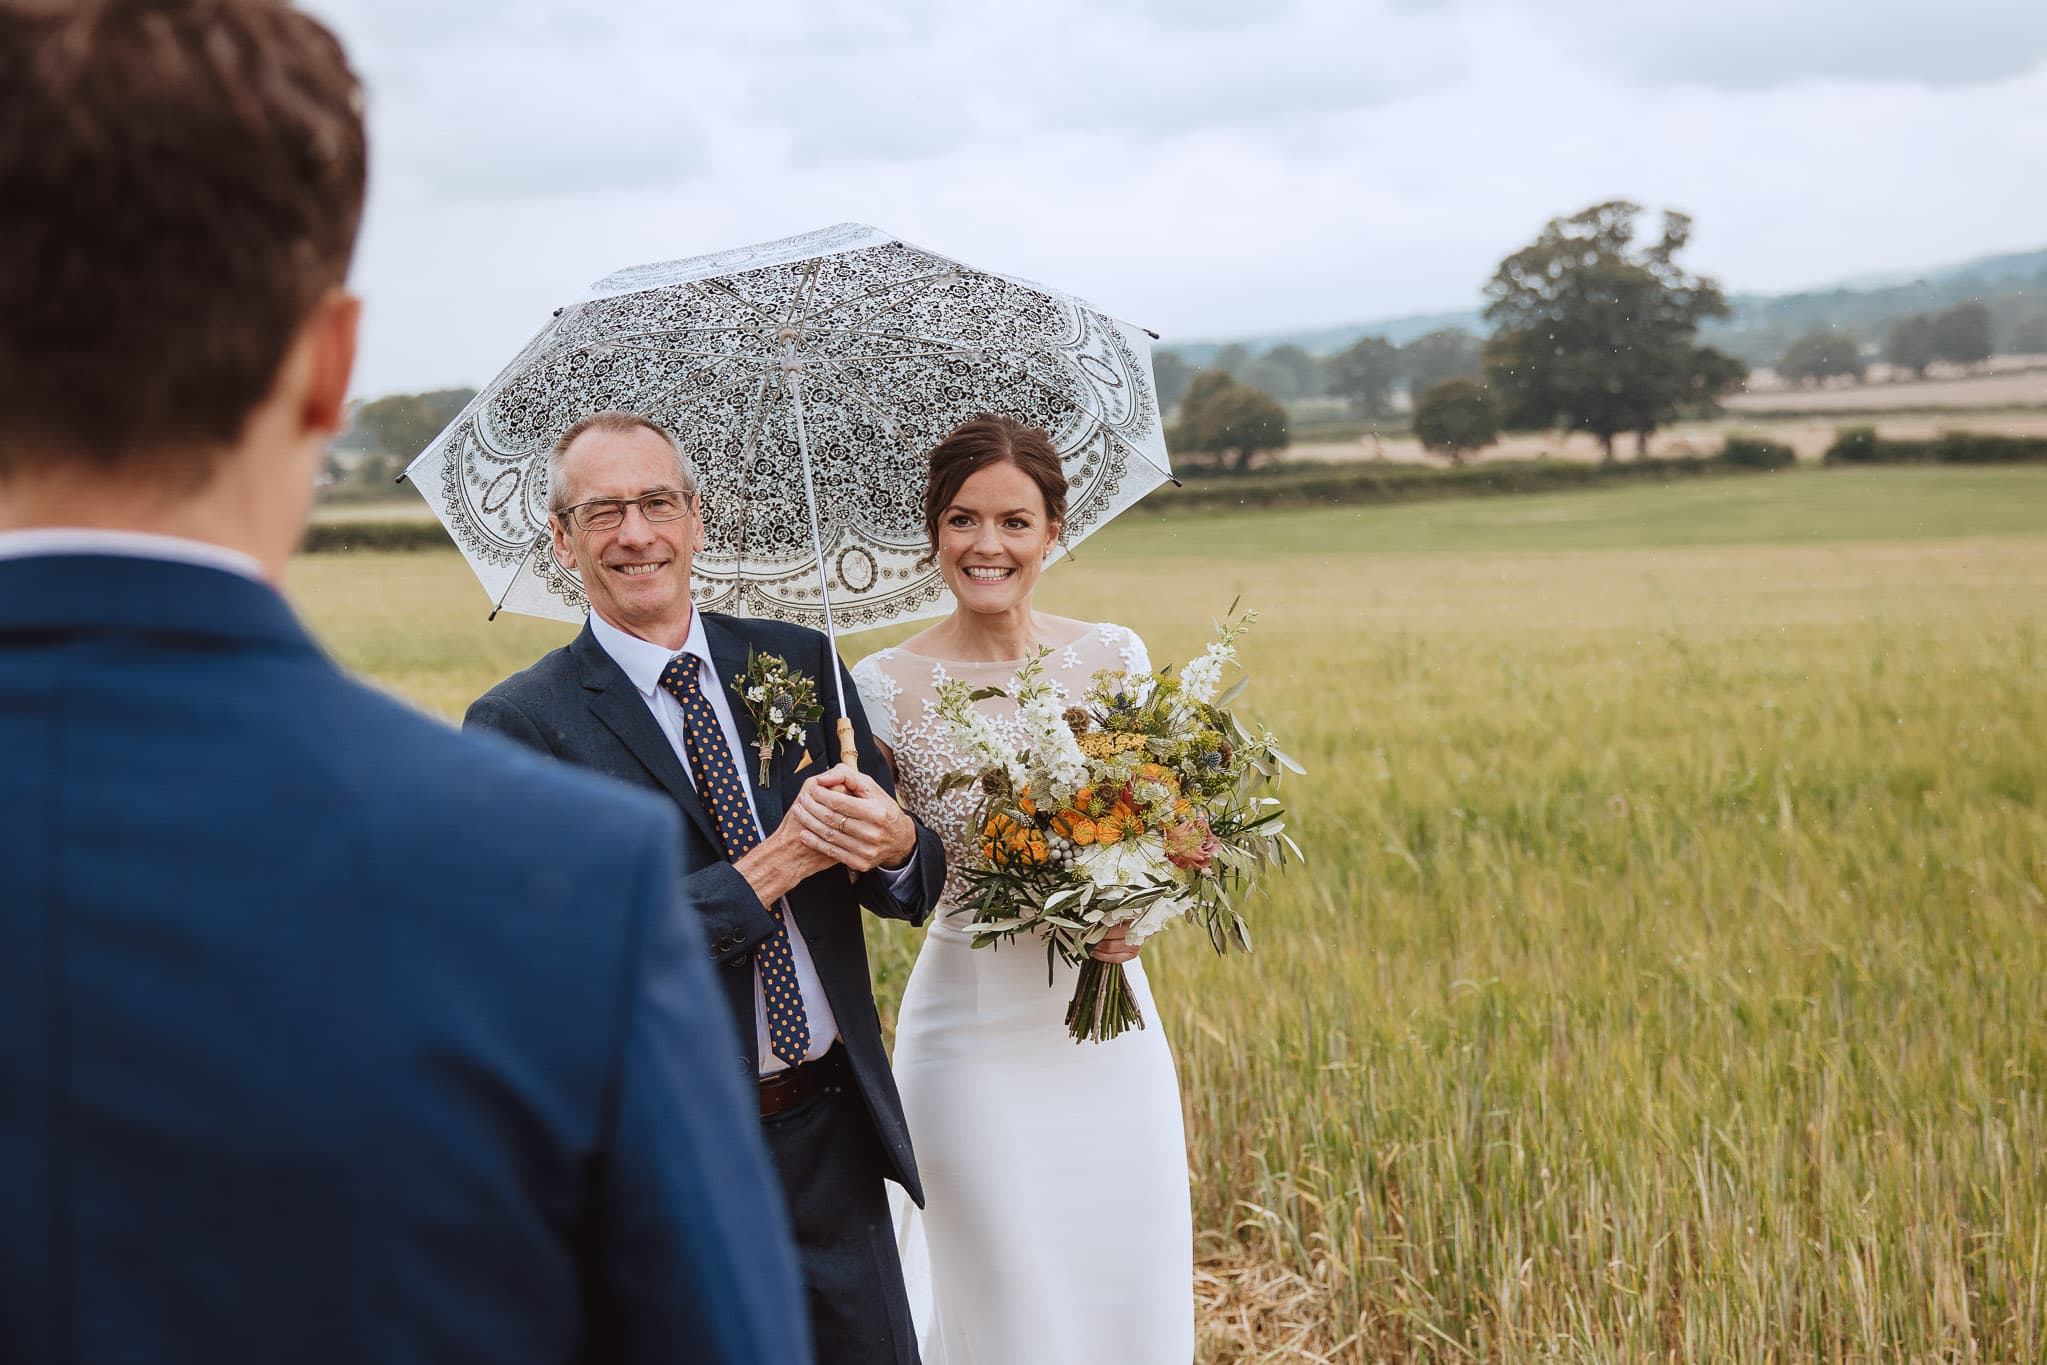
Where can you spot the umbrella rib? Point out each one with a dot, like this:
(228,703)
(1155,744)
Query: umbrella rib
(722,287)
(667,350)
(677,404)
(845,387)
(799,309)
(907,355)
(1101,421)
(882,293)
(747,447)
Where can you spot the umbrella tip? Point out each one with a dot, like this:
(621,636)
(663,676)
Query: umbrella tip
(401,477)
(1150,333)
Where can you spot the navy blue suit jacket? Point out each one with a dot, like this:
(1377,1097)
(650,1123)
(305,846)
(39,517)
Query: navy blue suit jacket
(328,1034)
(577,704)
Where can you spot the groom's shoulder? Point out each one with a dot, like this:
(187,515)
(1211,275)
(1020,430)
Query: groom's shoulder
(430,773)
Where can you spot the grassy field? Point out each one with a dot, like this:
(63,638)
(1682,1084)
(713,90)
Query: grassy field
(1670,978)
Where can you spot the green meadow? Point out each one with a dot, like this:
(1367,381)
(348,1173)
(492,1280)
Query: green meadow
(1668,980)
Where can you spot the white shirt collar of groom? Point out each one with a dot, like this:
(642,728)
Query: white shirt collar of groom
(38,541)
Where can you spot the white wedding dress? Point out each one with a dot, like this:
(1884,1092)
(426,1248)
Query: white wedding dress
(1056,1229)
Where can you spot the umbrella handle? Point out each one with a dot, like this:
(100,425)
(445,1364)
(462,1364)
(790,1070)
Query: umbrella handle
(847,753)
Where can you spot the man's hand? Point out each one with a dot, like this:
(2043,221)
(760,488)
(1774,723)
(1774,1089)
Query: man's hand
(840,817)
(844,814)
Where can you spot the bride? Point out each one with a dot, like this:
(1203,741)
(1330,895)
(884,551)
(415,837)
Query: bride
(1057,1222)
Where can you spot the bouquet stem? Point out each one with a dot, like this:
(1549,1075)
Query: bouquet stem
(767,753)
(1102,1004)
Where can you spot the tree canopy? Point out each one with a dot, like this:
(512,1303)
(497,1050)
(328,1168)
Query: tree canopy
(1170,375)
(1365,374)
(1226,423)
(1820,355)
(1910,344)
(402,424)
(1456,417)
(1964,334)
(1596,333)
(1428,360)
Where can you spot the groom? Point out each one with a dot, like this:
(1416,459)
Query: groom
(777,871)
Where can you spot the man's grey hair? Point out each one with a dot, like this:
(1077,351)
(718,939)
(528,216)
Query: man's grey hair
(617,423)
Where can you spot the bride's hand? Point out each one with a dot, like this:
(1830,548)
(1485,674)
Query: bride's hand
(1115,947)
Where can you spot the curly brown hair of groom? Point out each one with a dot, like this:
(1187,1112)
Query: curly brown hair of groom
(180,182)
(985,440)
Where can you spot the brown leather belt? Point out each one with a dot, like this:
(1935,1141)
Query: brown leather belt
(786,1089)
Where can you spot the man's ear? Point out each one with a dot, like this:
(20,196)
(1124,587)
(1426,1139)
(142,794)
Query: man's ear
(330,335)
(564,548)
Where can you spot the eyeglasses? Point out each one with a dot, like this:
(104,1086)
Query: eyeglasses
(606,514)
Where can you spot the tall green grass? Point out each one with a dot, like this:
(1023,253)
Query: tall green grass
(1669,981)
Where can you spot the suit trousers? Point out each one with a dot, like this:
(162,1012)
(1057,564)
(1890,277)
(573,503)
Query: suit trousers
(833,1172)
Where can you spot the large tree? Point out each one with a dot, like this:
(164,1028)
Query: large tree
(1594,332)
(1456,417)
(1910,344)
(1964,334)
(1228,423)
(1428,360)
(1365,373)
(1820,355)
(1305,369)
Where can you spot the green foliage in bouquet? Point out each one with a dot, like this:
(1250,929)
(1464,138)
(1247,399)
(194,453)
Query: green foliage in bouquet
(1145,801)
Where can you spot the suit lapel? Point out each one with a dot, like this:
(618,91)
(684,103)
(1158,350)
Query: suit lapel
(728,660)
(618,704)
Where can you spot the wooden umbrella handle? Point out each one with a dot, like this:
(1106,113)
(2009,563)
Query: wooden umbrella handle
(847,753)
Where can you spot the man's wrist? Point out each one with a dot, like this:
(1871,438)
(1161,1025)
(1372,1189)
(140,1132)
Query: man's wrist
(906,848)
(763,872)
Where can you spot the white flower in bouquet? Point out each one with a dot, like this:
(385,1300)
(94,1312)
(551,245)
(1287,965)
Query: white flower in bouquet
(1203,677)
(1055,753)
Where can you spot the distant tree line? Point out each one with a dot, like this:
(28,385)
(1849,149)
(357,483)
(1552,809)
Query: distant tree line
(1592,331)
(385,434)
(1964,334)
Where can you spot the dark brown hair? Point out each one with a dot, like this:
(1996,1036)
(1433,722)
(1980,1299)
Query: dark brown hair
(180,182)
(974,445)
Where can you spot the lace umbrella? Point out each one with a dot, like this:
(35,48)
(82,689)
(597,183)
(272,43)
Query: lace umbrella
(807,378)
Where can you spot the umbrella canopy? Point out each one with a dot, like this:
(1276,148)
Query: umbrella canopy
(865,347)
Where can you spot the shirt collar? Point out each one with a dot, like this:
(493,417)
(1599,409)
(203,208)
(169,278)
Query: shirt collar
(78,540)
(643,661)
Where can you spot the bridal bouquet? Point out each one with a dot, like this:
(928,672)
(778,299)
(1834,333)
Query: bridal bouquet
(1144,802)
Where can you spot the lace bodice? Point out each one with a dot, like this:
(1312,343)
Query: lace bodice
(899,691)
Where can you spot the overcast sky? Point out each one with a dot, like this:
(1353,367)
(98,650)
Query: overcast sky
(1201,167)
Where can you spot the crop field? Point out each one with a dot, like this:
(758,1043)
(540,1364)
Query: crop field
(1669,977)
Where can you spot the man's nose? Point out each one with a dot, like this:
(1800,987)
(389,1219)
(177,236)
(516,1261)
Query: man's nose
(635,529)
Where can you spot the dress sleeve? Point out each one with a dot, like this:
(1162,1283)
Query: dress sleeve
(1136,658)
(877,697)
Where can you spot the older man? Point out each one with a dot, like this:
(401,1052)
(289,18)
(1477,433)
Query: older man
(648,693)
(326,1034)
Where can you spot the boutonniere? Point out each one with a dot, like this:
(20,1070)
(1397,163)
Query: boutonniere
(781,701)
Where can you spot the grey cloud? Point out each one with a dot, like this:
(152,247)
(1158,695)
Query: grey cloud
(1743,45)
(1092,70)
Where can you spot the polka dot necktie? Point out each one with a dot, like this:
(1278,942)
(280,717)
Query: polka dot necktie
(718,787)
